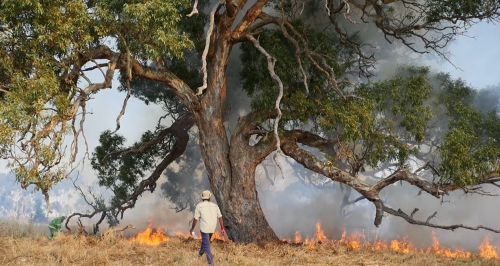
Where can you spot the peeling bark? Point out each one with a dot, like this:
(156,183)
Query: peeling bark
(230,166)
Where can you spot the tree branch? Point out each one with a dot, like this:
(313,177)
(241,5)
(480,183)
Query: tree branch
(453,227)
(208,39)
(179,129)
(248,19)
(271,61)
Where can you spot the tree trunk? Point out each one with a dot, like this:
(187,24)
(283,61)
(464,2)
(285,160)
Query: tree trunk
(231,169)
(246,221)
(231,172)
(246,216)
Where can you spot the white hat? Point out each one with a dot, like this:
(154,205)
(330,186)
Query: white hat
(205,195)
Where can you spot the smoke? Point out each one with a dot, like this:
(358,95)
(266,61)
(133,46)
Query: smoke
(185,178)
(292,198)
(297,200)
(29,205)
(488,100)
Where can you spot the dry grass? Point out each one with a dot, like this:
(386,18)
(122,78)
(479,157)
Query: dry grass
(112,250)
(15,229)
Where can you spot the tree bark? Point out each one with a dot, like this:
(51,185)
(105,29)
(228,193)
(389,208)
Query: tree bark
(231,173)
(230,166)
(246,219)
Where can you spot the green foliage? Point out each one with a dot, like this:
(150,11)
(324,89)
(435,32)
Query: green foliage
(30,104)
(471,148)
(37,29)
(149,29)
(460,9)
(121,170)
(374,127)
(41,43)
(386,122)
(402,99)
(257,82)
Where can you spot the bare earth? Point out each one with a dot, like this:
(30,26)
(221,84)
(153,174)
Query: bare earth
(113,250)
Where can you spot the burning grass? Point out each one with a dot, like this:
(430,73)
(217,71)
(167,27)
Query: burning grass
(153,247)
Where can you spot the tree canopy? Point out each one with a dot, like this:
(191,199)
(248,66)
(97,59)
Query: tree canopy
(304,66)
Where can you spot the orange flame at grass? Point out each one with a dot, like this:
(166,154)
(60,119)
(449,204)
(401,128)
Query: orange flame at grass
(150,237)
(352,242)
(310,244)
(298,238)
(353,245)
(357,241)
(319,237)
(320,234)
(487,251)
(380,246)
(445,252)
(217,236)
(401,246)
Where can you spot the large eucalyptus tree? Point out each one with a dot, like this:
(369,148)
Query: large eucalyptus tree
(302,74)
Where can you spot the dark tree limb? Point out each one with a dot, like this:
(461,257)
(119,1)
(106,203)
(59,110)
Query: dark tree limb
(453,227)
(307,138)
(416,29)
(179,130)
(371,193)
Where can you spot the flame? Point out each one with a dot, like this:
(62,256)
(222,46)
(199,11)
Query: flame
(319,238)
(445,252)
(217,236)
(487,251)
(298,238)
(435,243)
(380,246)
(150,237)
(401,246)
(352,242)
(320,234)
(310,244)
(353,245)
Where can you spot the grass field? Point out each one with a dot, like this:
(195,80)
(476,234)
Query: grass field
(19,247)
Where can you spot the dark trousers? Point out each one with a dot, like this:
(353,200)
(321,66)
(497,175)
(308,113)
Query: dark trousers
(205,247)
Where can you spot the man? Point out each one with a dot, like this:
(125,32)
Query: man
(207,213)
(55,226)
